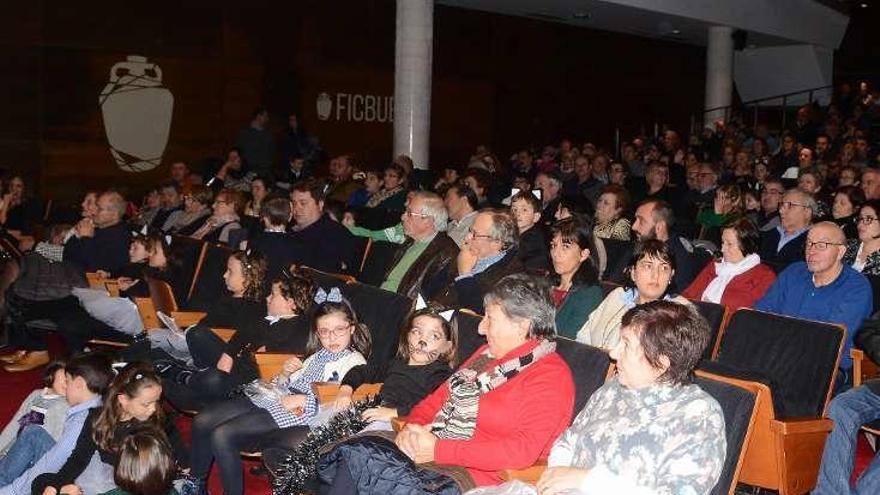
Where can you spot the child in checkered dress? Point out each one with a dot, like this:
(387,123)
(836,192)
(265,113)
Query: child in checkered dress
(337,343)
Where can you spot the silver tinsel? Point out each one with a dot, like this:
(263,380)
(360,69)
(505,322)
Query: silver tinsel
(299,465)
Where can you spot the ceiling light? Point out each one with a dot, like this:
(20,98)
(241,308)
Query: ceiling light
(676,31)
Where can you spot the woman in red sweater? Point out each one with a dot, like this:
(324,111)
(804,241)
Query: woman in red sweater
(740,278)
(502,409)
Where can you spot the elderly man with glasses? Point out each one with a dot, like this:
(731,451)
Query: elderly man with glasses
(420,264)
(488,254)
(784,245)
(823,288)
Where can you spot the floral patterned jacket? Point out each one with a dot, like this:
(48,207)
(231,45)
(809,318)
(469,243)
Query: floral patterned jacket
(663,439)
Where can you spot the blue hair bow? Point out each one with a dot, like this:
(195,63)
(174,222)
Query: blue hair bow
(322,296)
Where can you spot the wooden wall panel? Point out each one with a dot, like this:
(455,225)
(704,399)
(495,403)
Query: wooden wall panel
(502,81)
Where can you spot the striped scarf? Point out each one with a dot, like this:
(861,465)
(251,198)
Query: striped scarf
(457,419)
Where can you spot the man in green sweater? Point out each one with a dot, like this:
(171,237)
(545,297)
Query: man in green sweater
(419,266)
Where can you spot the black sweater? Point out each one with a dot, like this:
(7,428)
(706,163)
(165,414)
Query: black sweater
(287,335)
(86,447)
(107,250)
(403,385)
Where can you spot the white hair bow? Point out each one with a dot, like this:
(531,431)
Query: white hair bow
(322,296)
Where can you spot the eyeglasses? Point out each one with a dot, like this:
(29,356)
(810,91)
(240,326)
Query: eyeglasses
(867,220)
(822,245)
(412,214)
(336,332)
(474,235)
(789,204)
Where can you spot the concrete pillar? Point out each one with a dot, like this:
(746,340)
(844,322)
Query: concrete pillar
(413,50)
(719,72)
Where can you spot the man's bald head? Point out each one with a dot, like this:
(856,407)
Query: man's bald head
(825,247)
(829,230)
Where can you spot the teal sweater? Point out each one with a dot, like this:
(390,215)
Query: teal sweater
(576,308)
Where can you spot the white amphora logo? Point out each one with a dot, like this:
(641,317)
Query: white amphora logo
(324,106)
(137,114)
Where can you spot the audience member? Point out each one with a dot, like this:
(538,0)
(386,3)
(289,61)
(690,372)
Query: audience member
(784,245)
(462,206)
(35,426)
(86,378)
(488,254)
(274,242)
(771,198)
(550,185)
(196,211)
(823,288)
(324,244)
(649,429)
(502,426)
(100,243)
(170,202)
(611,209)
(863,252)
(225,218)
(576,290)
(739,278)
(342,182)
(654,219)
(421,264)
(256,144)
(650,273)
(844,210)
(533,251)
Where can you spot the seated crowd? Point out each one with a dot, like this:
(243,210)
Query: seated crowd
(566,243)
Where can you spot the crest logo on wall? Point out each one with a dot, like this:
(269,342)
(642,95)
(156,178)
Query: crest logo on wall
(324,106)
(137,112)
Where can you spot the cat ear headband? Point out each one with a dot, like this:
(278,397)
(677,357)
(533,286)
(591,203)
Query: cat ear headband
(421,304)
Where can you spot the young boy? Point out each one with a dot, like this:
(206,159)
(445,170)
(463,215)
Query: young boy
(87,378)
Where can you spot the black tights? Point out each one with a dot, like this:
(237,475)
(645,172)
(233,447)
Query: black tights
(221,431)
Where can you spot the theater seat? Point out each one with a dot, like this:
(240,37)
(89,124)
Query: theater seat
(793,364)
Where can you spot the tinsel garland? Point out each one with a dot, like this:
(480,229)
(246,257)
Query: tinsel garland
(300,464)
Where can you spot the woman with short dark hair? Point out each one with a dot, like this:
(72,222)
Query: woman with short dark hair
(650,270)
(739,278)
(649,429)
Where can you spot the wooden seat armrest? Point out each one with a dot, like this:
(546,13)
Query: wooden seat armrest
(148,313)
(187,318)
(863,367)
(95,281)
(326,392)
(398,423)
(800,426)
(366,390)
(528,475)
(112,287)
(269,364)
(225,334)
